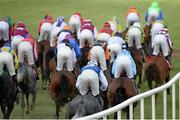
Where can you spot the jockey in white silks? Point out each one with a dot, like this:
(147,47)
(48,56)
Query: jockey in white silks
(115,46)
(19,34)
(124,61)
(163,41)
(132,16)
(44,29)
(4,31)
(135,35)
(91,78)
(56,28)
(98,54)
(28,48)
(65,55)
(87,32)
(154,12)
(66,34)
(75,21)
(9,58)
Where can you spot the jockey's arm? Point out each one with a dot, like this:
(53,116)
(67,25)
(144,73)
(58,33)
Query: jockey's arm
(161,15)
(103,80)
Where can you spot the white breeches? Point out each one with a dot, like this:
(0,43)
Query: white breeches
(15,42)
(134,35)
(131,18)
(75,23)
(88,79)
(25,49)
(153,14)
(97,53)
(86,35)
(45,32)
(4,30)
(54,36)
(65,56)
(115,49)
(156,27)
(160,41)
(7,59)
(123,63)
(103,37)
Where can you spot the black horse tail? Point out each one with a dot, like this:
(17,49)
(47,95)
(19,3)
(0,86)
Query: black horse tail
(151,72)
(80,111)
(64,89)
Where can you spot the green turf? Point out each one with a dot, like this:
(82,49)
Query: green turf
(32,11)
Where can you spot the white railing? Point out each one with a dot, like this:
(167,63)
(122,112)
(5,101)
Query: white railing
(140,97)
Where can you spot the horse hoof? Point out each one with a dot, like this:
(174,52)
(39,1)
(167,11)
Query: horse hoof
(32,107)
(56,117)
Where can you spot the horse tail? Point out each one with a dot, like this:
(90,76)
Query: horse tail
(80,111)
(151,72)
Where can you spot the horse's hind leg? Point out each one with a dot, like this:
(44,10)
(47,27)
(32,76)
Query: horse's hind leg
(140,80)
(27,100)
(168,89)
(33,94)
(57,102)
(150,84)
(22,104)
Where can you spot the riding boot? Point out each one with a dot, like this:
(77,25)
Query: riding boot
(141,52)
(99,99)
(14,81)
(168,58)
(35,69)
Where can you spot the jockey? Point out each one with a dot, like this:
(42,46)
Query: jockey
(11,26)
(56,28)
(21,30)
(89,79)
(157,26)
(162,40)
(65,54)
(4,31)
(75,21)
(98,55)
(115,46)
(154,12)
(132,16)
(19,34)
(135,34)
(27,47)
(45,27)
(8,57)
(87,32)
(66,34)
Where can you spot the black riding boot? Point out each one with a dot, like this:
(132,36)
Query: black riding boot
(141,52)
(99,99)
(14,81)
(35,69)
(168,58)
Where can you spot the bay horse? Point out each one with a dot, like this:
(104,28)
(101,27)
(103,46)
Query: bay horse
(120,90)
(83,105)
(8,94)
(43,47)
(62,88)
(26,79)
(156,69)
(147,39)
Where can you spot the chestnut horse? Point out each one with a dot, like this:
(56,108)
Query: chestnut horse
(7,95)
(156,69)
(62,88)
(43,47)
(120,90)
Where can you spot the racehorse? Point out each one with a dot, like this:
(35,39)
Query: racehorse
(120,90)
(156,69)
(43,47)
(26,79)
(83,105)
(7,95)
(147,38)
(62,88)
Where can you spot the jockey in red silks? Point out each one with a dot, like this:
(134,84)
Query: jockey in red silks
(87,32)
(28,48)
(19,34)
(45,28)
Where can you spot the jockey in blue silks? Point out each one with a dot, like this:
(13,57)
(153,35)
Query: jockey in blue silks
(154,12)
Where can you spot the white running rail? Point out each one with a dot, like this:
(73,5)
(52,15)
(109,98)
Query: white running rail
(118,108)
